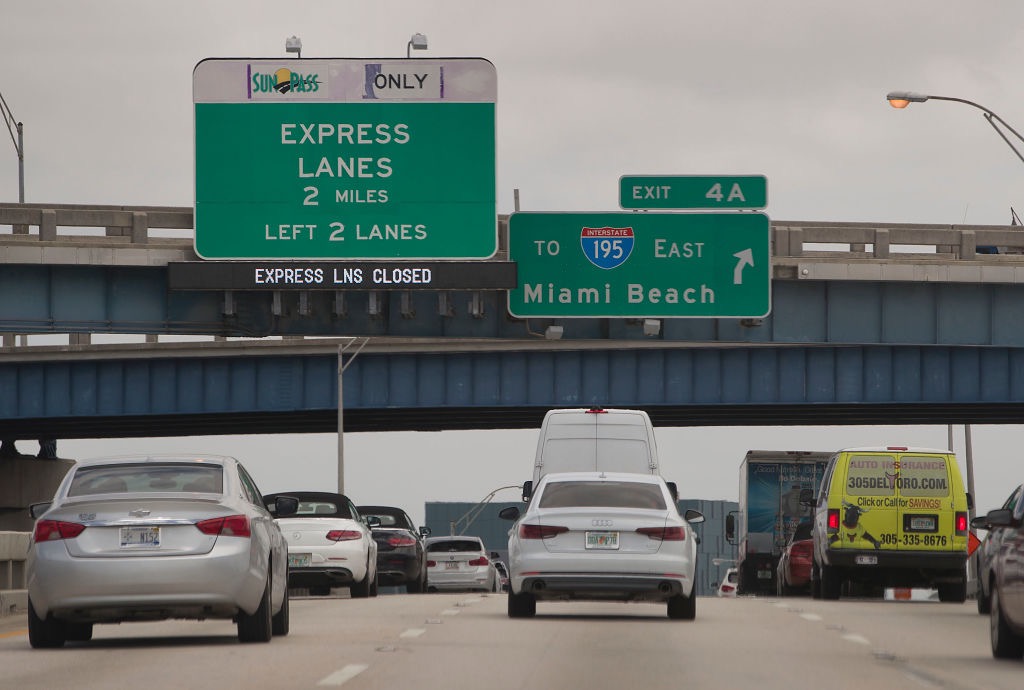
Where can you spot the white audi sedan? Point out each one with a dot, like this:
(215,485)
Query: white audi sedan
(146,538)
(602,536)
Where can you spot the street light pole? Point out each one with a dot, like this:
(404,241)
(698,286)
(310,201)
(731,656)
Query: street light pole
(418,41)
(901,99)
(19,143)
(342,365)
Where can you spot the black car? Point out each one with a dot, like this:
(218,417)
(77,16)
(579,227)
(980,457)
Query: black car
(401,558)
(1006,577)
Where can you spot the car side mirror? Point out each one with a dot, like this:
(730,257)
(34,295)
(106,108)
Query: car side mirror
(693,516)
(527,490)
(730,528)
(285,506)
(36,510)
(980,522)
(510,513)
(424,531)
(1002,517)
(970,502)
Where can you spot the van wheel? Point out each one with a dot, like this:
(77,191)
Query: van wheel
(954,592)
(831,584)
(1006,644)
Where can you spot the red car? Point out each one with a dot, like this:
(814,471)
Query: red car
(794,573)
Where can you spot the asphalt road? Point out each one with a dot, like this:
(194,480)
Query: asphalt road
(466,640)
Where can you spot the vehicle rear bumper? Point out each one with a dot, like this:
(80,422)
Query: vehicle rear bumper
(320,577)
(924,560)
(213,585)
(616,586)
(397,569)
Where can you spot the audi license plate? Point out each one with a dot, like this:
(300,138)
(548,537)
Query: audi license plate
(602,540)
(133,537)
(451,565)
(866,560)
(298,560)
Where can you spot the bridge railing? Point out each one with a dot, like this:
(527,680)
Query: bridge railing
(172,227)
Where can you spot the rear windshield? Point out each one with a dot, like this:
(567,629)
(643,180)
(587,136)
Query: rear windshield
(602,494)
(914,475)
(458,545)
(147,478)
(323,509)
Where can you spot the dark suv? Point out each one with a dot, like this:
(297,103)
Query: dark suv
(1006,576)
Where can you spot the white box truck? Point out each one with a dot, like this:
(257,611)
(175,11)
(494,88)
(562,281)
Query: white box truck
(593,440)
(770,511)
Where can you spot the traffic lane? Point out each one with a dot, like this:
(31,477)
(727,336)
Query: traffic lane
(942,644)
(327,634)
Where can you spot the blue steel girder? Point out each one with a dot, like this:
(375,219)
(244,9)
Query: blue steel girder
(135,299)
(741,385)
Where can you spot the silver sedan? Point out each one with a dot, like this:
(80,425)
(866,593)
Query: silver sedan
(147,538)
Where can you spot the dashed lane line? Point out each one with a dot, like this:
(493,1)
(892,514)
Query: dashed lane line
(343,675)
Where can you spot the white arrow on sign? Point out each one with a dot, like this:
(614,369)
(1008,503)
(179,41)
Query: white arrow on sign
(746,258)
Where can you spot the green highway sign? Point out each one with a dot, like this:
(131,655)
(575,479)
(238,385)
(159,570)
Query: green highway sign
(631,265)
(345,159)
(680,192)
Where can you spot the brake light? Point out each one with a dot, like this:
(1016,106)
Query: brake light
(896,448)
(727,588)
(431,564)
(344,535)
(399,540)
(230,526)
(676,533)
(53,530)
(597,410)
(479,561)
(540,531)
(801,548)
(833,518)
(961,523)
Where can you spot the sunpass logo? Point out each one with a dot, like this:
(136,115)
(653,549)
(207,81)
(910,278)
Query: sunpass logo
(284,81)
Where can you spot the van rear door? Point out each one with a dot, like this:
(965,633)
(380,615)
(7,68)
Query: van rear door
(868,515)
(924,487)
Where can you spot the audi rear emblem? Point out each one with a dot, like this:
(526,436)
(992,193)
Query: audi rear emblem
(601,523)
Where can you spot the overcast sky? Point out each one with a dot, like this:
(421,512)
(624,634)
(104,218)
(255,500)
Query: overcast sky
(587,91)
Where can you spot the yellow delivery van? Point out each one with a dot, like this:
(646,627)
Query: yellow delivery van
(890,517)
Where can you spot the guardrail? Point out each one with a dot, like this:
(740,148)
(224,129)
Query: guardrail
(172,227)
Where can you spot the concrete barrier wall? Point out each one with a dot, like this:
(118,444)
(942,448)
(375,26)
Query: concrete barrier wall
(13,551)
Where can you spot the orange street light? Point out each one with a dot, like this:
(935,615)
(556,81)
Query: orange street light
(901,99)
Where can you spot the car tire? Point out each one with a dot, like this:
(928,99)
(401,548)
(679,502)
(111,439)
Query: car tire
(815,582)
(830,583)
(374,586)
(1006,644)
(257,627)
(984,601)
(682,608)
(280,622)
(361,589)
(522,605)
(45,634)
(78,632)
(419,586)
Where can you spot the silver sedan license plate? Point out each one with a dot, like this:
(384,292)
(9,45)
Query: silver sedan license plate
(602,540)
(140,537)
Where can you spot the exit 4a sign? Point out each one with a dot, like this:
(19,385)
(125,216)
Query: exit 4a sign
(683,192)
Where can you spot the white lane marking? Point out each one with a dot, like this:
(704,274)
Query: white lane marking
(343,675)
(810,616)
(413,632)
(450,612)
(854,637)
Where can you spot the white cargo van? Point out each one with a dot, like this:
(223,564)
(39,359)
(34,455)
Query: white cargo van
(593,440)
